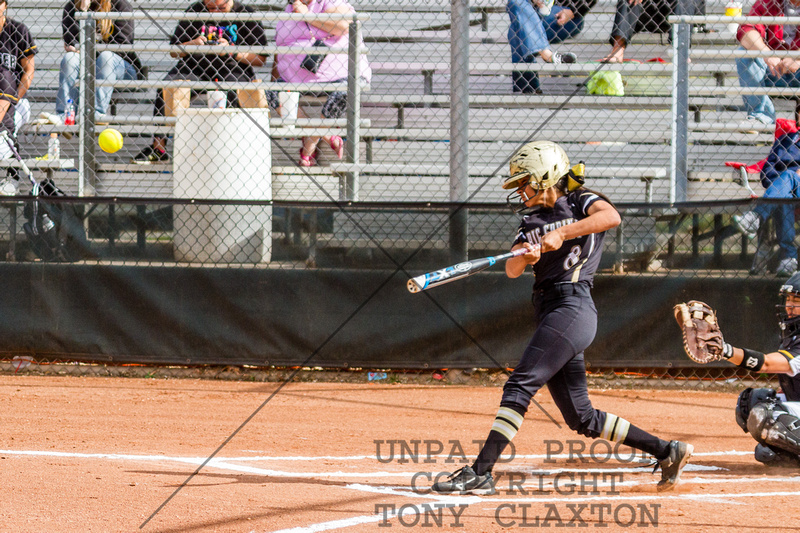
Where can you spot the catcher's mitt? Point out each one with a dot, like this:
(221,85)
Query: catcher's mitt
(702,338)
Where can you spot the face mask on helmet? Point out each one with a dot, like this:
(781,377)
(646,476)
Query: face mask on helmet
(540,164)
(789,309)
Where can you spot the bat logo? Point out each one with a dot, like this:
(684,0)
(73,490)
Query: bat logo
(458,271)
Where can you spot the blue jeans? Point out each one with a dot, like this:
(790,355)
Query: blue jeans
(529,33)
(109,66)
(754,73)
(787,185)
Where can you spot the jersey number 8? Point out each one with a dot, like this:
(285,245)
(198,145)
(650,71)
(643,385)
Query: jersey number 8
(573,257)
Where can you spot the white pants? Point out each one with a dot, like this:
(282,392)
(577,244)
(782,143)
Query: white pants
(22,114)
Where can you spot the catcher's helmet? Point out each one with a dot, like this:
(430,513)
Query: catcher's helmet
(789,325)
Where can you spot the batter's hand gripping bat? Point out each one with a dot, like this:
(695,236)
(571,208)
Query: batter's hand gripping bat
(459,271)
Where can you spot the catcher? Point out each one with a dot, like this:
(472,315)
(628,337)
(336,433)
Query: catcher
(772,419)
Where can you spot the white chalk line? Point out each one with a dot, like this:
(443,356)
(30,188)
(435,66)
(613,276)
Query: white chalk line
(226,464)
(585,457)
(229,463)
(471,500)
(355,521)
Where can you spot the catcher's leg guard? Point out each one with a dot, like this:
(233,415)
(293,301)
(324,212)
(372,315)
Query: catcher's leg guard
(749,398)
(776,457)
(768,424)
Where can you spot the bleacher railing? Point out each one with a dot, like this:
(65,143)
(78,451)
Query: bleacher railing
(434,130)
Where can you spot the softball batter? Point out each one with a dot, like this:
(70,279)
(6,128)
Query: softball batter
(569,222)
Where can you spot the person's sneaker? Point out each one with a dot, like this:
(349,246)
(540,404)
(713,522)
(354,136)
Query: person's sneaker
(9,187)
(566,57)
(546,7)
(786,267)
(747,223)
(52,118)
(671,467)
(465,481)
(150,155)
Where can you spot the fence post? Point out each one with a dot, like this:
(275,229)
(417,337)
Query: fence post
(353,109)
(459,124)
(85,110)
(680,109)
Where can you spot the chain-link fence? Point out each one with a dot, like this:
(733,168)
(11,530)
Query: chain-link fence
(245,130)
(375,135)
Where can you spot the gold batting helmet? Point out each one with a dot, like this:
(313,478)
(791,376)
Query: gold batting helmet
(542,163)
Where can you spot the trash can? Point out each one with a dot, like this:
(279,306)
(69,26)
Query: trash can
(222,154)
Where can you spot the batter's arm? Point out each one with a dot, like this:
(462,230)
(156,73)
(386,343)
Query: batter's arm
(602,216)
(516,265)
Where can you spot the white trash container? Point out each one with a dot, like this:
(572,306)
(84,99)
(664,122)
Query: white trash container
(222,154)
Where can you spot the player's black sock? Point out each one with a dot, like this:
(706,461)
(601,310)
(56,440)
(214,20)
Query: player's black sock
(506,424)
(642,440)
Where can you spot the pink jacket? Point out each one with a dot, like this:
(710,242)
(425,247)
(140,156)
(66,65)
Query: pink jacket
(292,33)
(772,35)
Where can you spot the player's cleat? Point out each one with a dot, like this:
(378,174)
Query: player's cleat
(150,155)
(747,223)
(671,467)
(776,457)
(786,267)
(465,481)
(566,57)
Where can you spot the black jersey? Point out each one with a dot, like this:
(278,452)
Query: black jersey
(577,259)
(16,43)
(209,67)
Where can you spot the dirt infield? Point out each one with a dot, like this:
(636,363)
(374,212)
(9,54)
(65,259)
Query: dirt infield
(102,454)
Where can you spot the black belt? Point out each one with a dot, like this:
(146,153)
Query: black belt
(564,288)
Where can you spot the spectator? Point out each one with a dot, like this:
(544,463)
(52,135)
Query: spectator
(779,176)
(333,68)
(634,16)
(530,33)
(17,65)
(768,71)
(209,67)
(110,66)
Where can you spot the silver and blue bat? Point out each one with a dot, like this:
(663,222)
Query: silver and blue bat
(459,271)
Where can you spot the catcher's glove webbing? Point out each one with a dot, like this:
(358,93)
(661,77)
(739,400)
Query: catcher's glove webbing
(702,338)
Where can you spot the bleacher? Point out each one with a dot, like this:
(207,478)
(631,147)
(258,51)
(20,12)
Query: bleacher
(625,141)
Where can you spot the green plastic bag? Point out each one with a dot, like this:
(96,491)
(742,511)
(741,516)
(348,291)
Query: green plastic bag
(606,84)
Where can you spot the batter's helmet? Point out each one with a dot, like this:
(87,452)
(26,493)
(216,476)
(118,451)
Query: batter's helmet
(543,163)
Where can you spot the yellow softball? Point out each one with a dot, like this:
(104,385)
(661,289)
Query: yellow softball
(110,140)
